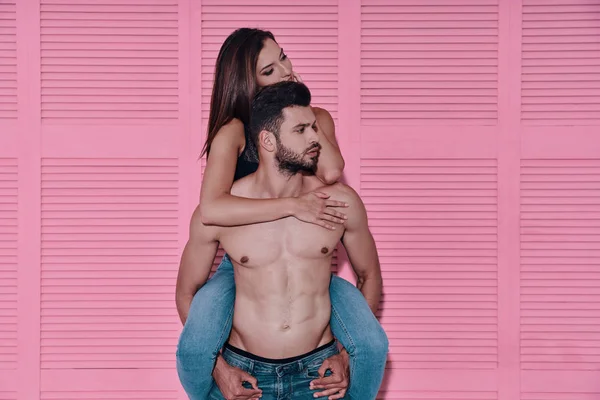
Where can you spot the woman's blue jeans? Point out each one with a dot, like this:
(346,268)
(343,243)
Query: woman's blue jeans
(209,324)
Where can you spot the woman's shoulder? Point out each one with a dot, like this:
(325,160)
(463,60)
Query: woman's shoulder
(321,113)
(324,118)
(232,133)
(234,126)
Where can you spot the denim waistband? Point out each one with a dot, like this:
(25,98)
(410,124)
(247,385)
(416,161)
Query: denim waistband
(252,363)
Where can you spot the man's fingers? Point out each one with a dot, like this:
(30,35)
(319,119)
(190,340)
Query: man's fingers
(339,395)
(329,382)
(245,394)
(335,385)
(253,393)
(324,367)
(251,380)
(327,392)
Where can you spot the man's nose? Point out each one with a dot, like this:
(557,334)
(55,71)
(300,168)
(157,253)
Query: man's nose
(314,137)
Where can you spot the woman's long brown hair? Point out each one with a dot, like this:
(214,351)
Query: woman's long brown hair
(235,80)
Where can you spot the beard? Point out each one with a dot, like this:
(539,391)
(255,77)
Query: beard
(290,163)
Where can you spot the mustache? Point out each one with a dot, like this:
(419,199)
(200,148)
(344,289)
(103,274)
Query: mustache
(316,146)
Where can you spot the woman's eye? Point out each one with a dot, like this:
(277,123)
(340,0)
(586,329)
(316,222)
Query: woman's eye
(269,72)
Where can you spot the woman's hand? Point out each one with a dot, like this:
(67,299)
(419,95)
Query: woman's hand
(316,208)
(296,78)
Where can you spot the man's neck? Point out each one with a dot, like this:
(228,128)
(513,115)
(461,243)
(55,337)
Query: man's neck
(272,183)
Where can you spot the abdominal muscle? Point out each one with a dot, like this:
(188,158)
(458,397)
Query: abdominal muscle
(282,310)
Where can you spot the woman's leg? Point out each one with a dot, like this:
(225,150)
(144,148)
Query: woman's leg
(205,331)
(355,326)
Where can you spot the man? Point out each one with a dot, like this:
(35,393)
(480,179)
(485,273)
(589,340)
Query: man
(281,339)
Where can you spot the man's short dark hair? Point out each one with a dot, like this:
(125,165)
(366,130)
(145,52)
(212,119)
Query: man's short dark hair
(268,105)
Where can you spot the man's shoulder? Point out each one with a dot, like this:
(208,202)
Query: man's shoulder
(337,191)
(242,187)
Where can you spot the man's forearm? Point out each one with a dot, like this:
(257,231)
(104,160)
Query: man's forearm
(371,286)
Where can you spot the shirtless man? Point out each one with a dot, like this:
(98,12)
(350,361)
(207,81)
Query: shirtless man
(281,335)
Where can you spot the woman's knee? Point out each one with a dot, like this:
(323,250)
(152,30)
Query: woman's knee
(378,344)
(354,320)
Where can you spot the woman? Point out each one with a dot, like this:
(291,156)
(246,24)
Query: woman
(249,59)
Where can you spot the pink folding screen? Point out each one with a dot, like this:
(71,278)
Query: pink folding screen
(469,127)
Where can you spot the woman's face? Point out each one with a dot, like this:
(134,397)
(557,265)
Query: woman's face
(273,65)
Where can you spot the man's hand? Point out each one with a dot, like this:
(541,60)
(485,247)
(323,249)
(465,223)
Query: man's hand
(335,385)
(230,381)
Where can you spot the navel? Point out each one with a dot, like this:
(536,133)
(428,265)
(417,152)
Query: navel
(244,259)
(324,250)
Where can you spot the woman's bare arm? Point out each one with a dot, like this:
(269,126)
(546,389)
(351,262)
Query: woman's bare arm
(219,207)
(331,162)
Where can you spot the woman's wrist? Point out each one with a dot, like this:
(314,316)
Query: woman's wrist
(289,206)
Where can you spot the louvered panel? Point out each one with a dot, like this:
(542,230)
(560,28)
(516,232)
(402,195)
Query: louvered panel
(306,30)
(561,62)
(110,395)
(560,254)
(560,396)
(8,264)
(429,62)
(435,225)
(109,262)
(8,395)
(109,61)
(436,395)
(8,60)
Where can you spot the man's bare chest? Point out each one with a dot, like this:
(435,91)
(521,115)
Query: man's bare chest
(285,239)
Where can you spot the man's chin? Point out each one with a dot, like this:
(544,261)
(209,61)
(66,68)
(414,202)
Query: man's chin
(314,159)
(312,168)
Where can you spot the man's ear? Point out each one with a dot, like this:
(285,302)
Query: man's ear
(266,140)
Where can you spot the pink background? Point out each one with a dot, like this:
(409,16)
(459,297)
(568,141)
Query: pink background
(471,129)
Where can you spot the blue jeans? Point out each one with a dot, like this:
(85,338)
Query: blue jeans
(280,380)
(210,319)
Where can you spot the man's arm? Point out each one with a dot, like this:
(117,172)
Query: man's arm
(360,246)
(196,262)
